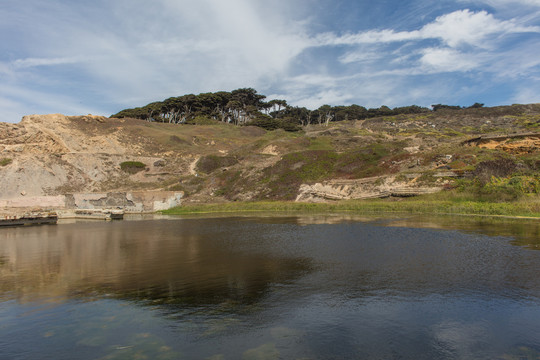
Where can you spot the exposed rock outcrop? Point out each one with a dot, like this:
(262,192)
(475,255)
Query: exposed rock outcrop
(515,143)
(368,188)
(56,154)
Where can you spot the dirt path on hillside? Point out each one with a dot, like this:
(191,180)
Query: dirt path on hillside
(192,166)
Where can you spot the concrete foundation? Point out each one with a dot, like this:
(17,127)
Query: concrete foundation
(132,201)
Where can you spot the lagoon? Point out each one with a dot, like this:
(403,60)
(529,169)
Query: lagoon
(272,287)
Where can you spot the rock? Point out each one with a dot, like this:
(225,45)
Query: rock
(160,163)
(367,188)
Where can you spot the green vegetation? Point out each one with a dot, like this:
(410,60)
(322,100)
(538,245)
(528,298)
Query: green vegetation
(277,147)
(501,180)
(429,204)
(283,179)
(5,161)
(228,181)
(246,106)
(209,163)
(132,167)
(500,186)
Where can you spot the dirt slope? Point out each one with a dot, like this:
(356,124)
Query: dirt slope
(55,154)
(407,154)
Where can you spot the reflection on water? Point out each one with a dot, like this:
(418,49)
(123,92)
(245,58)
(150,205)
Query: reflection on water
(164,261)
(310,287)
(525,232)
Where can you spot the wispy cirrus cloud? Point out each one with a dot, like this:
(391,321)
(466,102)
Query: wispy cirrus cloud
(462,27)
(131,53)
(466,42)
(507,2)
(106,55)
(33,62)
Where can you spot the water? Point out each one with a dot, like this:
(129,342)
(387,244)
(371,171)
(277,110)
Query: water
(272,288)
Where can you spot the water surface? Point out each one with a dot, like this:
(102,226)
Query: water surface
(272,288)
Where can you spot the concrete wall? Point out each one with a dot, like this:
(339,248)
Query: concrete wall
(133,201)
(50,202)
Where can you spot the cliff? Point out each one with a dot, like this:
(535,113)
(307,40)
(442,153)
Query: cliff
(54,155)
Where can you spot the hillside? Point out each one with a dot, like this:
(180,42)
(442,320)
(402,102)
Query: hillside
(398,155)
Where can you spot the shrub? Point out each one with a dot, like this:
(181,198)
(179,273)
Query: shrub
(229,184)
(289,126)
(132,167)
(5,161)
(486,170)
(518,184)
(209,163)
(500,189)
(268,123)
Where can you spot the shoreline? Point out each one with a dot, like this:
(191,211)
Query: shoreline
(523,209)
(515,210)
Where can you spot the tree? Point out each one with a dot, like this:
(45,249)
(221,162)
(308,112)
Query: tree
(245,105)
(326,114)
(476,106)
(234,107)
(248,96)
(438,107)
(276,106)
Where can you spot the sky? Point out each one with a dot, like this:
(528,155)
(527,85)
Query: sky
(98,57)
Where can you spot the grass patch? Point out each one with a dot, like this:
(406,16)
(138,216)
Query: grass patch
(228,183)
(209,163)
(285,177)
(5,161)
(320,143)
(428,204)
(132,167)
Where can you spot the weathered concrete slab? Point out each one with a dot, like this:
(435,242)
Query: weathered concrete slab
(29,219)
(51,202)
(133,201)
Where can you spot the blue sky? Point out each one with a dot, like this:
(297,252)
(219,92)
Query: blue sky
(101,56)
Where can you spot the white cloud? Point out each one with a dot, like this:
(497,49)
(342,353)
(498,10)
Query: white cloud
(17,101)
(473,43)
(447,60)
(527,96)
(369,37)
(326,97)
(130,51)
(462,27)
(5,68)
(319,80)
(360,56)
(509,2)
(33,62)
(127,53)
(466,27)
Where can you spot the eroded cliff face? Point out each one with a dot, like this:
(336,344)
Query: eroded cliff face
(56,154)
(368,188)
